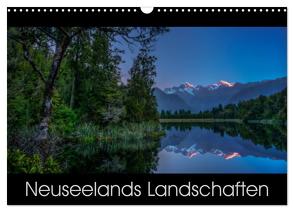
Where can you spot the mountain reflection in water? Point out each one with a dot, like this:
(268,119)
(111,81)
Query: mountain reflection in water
(222,148)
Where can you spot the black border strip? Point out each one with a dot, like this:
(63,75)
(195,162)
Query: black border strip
(160,16)
(16,184)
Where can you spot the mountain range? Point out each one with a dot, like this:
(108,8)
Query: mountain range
(199,98)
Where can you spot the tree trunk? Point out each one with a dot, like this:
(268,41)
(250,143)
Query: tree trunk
(42,134)
(75,75)
(72,93)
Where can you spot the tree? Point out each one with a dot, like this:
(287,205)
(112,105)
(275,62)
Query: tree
(97,92)
(140,102)
(162,114)
(53,43)
(56,40)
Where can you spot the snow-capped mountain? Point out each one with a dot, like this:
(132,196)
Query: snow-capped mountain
(190,88)
(198,97)
(186,87)
(219,84)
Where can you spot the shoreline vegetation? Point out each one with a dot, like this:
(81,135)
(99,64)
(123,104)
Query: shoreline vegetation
(196,120)
(199,120)
(88,149)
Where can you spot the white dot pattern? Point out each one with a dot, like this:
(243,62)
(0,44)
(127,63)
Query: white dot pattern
(158,10)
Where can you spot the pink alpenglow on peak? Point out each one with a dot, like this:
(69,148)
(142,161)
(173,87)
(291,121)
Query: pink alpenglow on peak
(221,83)
(192,154)
(188,85)
(231,155)
(226,84)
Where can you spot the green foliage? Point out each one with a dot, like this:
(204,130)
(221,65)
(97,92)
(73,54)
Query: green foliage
(86,88)
(88,80)
(19,162)
(97,94)
(86,133)
(128,148)
(64,119)
(126,132)
(51,166)
(17,109)
(140,101)
(176,114)
(24,90)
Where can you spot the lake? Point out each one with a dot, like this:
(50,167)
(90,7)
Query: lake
(211,147)
(222,148)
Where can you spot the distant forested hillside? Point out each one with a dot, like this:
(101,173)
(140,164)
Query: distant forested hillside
(272,107)
(201,98)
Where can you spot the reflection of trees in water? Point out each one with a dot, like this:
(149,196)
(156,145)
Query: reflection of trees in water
(178,126)
(93,158)
(263,134)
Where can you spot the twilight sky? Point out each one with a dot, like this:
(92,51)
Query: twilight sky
(204,55)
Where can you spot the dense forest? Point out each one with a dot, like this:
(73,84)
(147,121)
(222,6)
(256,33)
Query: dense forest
(272,107)
(67,103)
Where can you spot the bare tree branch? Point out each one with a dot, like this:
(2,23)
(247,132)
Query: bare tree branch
(47,33)
(64,31)
(77,32)
(28,57)
(15,39)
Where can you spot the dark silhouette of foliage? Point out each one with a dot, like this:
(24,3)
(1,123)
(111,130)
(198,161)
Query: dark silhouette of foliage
(140,101)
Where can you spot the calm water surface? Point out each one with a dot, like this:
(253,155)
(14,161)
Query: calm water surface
(222,148)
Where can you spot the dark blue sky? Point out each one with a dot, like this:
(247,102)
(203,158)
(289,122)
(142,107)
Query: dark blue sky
(204,55)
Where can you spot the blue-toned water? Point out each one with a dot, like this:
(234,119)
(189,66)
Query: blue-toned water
(222,148)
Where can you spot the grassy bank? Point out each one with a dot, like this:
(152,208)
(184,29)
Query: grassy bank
(117,133)
(89,149)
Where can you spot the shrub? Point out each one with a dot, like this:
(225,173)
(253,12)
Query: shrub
(64,119)
(19,162)
(51,166)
